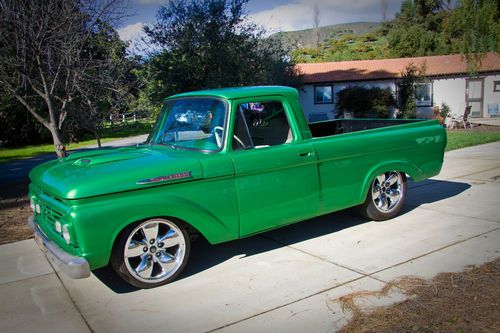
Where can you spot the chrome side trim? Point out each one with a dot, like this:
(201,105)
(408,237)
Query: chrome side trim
(74,267)
(175,176)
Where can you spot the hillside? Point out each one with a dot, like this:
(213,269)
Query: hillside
(307,38)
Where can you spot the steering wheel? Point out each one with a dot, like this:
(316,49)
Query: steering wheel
(239,141)
(218,138)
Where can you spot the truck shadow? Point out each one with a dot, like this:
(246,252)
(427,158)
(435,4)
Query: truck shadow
(205,256)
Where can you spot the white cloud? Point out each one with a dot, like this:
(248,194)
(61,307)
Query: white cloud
(136,37)
(298,14)
(131,32)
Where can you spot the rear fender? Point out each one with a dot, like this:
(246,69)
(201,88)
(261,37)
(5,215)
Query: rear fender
(409,168)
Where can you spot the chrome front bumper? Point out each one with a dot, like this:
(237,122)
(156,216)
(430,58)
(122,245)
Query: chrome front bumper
(74,267)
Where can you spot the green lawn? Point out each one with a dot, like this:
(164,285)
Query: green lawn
(108,134)
(464,138)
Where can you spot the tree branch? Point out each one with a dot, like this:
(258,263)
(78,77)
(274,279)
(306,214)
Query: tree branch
(31,110)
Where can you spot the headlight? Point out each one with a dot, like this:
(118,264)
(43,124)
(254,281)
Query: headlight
(58,226)
(65,233)
(37,208)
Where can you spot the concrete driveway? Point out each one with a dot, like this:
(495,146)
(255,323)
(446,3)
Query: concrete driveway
(287,280)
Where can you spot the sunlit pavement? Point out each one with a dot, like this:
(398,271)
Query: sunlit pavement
(287,280)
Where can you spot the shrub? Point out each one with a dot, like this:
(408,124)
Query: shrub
(411,75)
(366,102)
(445,110)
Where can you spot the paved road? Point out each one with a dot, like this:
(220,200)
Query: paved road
(287,280)
(15,173)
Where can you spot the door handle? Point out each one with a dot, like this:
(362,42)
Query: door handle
(305,153)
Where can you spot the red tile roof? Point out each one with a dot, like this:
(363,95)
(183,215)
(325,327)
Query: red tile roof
(391,68)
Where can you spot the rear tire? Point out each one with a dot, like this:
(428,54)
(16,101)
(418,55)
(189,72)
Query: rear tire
(386,196)
(151,253)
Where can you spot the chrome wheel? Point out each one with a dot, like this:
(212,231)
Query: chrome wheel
(154,251)
(387,191)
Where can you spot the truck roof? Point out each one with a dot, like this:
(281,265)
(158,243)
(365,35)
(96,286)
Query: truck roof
(242,92)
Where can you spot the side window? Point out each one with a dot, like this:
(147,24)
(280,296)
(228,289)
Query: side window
(261,124)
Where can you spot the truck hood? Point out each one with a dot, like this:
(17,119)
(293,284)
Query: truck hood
(98,172)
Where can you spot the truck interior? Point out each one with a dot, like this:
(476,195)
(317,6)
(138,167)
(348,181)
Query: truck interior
(261,125)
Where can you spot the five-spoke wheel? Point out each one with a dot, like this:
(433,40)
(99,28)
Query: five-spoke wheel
(386,196)
(151,253)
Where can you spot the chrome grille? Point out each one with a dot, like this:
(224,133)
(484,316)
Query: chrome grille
(49,213)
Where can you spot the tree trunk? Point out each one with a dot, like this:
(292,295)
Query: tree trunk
(97,137)
(58,144)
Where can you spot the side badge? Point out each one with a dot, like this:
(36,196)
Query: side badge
(174,176)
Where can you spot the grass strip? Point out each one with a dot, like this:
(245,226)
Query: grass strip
(108,134)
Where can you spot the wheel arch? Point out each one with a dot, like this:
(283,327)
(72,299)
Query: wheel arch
(403,166)
(175,209)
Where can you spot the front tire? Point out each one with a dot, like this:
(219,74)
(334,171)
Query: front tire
(385,197)
(151,253)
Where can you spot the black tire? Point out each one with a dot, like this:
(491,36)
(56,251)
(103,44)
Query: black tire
(385,206)
(144,252)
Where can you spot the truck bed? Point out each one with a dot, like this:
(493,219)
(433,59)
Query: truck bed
(341,126)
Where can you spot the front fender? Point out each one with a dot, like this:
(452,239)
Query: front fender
(99,222)
(212,228)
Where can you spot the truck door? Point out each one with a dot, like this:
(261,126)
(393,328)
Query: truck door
(276,174)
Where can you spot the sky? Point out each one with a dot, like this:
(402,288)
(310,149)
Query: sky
(276,15)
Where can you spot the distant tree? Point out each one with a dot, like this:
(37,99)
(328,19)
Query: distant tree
(473,29)
(371,45)
(421,28)
(384,5)
(432,27)
(417,29)
(43,55)
(316,24)
(208,44)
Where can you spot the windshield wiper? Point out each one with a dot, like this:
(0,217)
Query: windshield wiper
(174,147)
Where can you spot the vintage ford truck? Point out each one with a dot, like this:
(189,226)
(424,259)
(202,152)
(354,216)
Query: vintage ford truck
(226,164)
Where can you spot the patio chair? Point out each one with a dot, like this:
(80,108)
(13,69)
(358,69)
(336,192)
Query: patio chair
(460,120)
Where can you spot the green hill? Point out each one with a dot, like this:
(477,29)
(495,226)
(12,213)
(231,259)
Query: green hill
(307,38)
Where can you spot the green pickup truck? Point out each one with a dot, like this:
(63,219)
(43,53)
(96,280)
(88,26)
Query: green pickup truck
(224,164)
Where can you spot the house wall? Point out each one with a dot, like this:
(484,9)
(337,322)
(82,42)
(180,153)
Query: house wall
(315,112)
(491,98)
(450,90)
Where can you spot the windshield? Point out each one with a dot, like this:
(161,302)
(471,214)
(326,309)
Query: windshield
(191,123)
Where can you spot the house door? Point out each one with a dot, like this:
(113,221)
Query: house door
(474,94)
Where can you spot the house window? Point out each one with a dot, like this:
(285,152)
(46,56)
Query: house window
(423,94)
(496,85)
(323,95)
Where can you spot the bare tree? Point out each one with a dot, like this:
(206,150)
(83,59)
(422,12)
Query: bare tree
(316,24)
(44,54)
(107,85)
(384,5)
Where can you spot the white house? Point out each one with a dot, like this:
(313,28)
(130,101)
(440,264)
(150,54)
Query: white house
(447,81)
